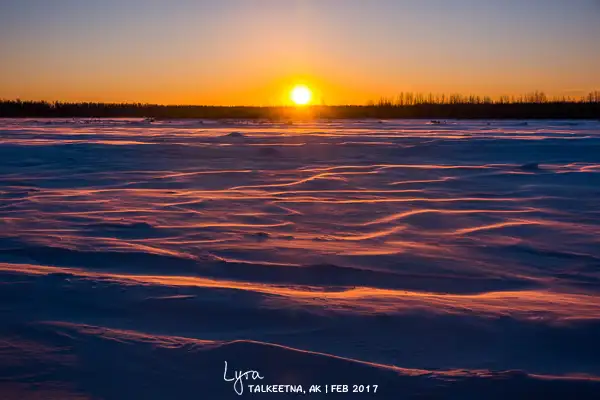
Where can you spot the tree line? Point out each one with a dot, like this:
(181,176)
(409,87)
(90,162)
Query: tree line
(406,105)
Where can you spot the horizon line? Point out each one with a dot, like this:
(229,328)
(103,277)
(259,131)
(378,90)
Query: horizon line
(401,99)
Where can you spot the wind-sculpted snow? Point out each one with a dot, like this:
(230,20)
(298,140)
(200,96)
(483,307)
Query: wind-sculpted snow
(457,260)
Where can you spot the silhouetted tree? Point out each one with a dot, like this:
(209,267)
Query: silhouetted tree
(405,105)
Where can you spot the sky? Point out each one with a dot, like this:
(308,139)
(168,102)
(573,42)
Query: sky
(252,52)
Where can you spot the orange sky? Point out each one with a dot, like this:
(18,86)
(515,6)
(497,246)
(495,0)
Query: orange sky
(236,52)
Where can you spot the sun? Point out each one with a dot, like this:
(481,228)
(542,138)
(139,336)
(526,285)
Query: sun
(301,95)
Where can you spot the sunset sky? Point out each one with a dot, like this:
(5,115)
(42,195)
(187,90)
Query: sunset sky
(251,52)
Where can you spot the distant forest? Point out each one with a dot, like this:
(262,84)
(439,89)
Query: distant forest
(407,105)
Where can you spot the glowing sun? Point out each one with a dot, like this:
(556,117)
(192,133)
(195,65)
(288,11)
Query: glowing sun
(301,95)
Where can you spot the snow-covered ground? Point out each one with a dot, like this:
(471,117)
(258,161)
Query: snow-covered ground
(457,260)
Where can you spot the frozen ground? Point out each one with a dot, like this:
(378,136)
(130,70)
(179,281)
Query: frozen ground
(435,261)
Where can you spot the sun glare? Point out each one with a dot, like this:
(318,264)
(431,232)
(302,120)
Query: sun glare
(301,95)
